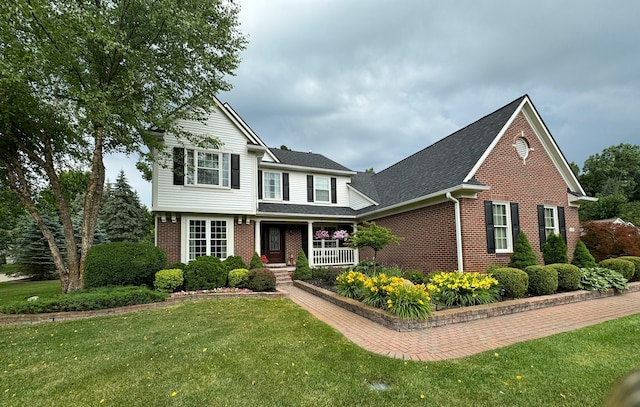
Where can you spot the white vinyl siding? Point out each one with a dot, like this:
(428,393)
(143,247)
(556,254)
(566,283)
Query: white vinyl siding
(502,227)
(298,188)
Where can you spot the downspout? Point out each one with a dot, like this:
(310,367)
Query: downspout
(458,229)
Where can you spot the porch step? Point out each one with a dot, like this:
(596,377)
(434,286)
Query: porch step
(283,274)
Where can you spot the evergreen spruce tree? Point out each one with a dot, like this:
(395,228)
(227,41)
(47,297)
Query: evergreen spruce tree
(303,271)
(256,262)
(554,250)
(582,257)
(523,255)
(122,214)
(32,252)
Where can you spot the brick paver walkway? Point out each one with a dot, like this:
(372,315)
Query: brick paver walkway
(465,339)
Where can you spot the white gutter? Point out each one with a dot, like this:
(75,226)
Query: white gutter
(458,230)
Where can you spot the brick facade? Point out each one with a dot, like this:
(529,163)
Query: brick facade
(428,239)
(244,240)
(293,242)
(533,182)
(168,238)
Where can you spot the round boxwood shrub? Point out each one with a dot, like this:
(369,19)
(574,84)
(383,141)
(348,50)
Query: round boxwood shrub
(415,276)
(177,265)
(303,271)
(239,278)
(262,279)
(568,276)
(205,273)
(513,282)
(169,280)
(234,262)
(123,263)
(543,280)
(624,267)
(636,262)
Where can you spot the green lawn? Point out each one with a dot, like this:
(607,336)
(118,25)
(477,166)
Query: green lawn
(21,290)
(259,352)
(9,268)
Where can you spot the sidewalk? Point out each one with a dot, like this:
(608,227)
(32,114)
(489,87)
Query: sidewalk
(465,339)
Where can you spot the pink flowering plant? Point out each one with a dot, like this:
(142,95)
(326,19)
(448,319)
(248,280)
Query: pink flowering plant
(321,234)
(340,234)
(264,259)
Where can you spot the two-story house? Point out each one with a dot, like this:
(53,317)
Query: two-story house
(458,204)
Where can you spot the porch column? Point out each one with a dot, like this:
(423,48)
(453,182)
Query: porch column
(356,252)
(257,236)
(310,243)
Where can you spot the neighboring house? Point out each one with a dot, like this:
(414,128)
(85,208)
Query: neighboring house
(614,221)
(457,204)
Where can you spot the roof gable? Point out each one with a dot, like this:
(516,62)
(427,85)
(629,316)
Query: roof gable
(306,160)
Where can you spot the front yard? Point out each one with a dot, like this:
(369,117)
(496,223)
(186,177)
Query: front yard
(240,352)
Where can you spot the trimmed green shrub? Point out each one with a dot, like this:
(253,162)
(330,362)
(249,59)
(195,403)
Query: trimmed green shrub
(123,263)
(234,262)
(568,276)
(262,279)
(523,255)
(513,282)
(602,279)
(367,267)
(86,300)
(205,273)
(493,267)
(169,280)
(624,267)
(303,271)
(582,257)
(326,273)
(415,276)
(636,262)
(554,250)
(543,280)
(256,262)
(239,278)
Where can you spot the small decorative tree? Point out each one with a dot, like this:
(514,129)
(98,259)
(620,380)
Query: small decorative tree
(256,262)
(523,255)
(554,250)
(303,271)
(581,256)
(371,235)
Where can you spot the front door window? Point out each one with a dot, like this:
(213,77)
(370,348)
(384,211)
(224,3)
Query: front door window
(274,239)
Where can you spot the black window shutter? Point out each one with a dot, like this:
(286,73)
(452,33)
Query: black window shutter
(259,184)
(285,186)
(541,232)
(561,223)
(334,195)
(515,221)
(488,221)
(178,166)
(235,171)
(309,188)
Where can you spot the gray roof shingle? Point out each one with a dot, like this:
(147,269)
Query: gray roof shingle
(310,160)
(289,209)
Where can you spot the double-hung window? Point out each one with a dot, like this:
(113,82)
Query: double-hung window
(550,223)
(502,225)
(551,219)
(207,168)
(322,191)
(272,185)
(207,237)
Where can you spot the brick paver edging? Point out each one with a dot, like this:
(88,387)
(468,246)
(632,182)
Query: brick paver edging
(458,315)
(24,319)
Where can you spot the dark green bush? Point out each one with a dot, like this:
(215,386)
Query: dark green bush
(568,276)
(636,262)
(581,256)
(262,279)
(493,267)
(205,273)
(234,262)
(123,263)
(239,278)
(368,267)
(303,271)
(178,265)
(256,262)
(543,280)
(86,300)
(554,250)
(169,280)
(513,282)
(326,273)
(523,255)
(624,267)
(415,276)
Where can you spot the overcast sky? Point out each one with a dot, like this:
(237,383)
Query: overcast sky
(370,82)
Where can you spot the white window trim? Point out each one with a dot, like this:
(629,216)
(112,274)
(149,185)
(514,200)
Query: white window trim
(315,189)
(264,186)
(188,169)
(509,228)
(556,226)
(184,238)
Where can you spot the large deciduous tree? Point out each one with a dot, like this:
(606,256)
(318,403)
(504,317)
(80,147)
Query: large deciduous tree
(615,171)
(81,78)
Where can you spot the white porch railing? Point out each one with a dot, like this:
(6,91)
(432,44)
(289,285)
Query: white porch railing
(335,256)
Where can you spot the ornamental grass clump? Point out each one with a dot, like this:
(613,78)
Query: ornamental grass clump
(351,284)
(465,289)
